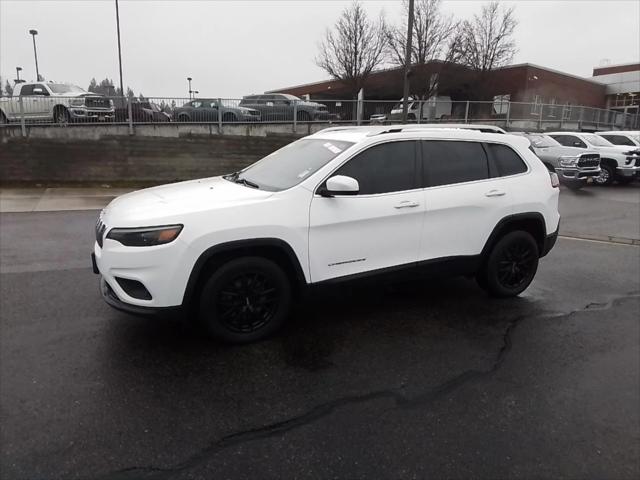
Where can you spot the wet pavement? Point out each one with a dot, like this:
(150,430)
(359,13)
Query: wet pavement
(401,381)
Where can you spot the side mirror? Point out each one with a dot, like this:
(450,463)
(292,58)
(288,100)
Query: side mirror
(340,185)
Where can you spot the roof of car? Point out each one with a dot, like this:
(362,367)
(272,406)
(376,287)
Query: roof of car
(358,134)
(620,132)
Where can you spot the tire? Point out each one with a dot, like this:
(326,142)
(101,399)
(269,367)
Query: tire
(511,265)
(183,118)
(61,116)
(229,118)
(303,117)
(245,299)
(606,176)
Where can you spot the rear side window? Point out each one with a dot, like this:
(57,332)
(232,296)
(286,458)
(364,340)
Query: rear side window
(26,90)
(506,161)
(390,167)
(449,162)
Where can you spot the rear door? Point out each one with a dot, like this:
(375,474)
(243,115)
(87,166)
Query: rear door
(465,197)
(376,229)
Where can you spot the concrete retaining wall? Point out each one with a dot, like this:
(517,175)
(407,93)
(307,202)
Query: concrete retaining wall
(126,160)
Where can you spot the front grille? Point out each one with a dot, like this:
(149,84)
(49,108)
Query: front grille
(97,102)
(100,228)
(589,160)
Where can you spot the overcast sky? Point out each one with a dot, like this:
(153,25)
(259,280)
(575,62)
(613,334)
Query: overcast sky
(234,48)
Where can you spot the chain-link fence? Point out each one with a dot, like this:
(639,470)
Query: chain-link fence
(95,109)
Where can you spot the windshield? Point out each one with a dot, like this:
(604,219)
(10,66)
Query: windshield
(290,165)
(64,88)
(597,141)
(542,141)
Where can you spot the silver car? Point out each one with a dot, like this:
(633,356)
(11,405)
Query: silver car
(575,166)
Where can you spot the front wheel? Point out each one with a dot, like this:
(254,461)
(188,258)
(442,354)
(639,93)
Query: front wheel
(511,265)
(606,175)
(245,300)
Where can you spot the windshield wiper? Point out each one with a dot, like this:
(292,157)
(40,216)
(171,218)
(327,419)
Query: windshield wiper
(246,182)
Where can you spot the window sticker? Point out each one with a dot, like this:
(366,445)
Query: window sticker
(332,148)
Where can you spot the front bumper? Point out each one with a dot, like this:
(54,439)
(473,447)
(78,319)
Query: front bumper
(101,114)
(572,174)
(629,170)
(110,297)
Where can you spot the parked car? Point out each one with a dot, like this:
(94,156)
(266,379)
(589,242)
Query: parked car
(207,110)
(141,111)
(54,102)
(430,109)
(617,163)
(339,205)
(623,138)
(280,107)
(574,166)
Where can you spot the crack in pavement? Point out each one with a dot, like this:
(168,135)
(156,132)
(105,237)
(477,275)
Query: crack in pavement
(325,409)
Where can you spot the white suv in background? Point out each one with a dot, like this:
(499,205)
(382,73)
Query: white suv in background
(617,162)
(342,204)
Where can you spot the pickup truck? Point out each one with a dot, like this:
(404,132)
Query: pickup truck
(61,103)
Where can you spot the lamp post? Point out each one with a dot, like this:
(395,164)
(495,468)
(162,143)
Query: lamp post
(189,80)
(35,52)
(18,70)
(119,48)
(407,64)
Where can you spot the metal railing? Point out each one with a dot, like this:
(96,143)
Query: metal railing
(73,111)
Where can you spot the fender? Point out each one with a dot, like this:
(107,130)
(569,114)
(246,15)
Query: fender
(516,218)
(244,247)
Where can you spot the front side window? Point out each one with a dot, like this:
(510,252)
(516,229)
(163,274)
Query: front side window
(618,140)
(291,164)
(384,168)
(449,162)
(506,160)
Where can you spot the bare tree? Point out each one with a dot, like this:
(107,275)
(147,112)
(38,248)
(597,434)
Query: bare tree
(434,38)
(354,48)
(487,42)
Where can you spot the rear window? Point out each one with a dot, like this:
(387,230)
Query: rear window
(506,160)
(450,162)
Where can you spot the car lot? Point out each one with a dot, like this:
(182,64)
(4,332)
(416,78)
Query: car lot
(429,380)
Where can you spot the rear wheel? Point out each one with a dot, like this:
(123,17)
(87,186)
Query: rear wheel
(245,300)
(511,265)
(606,176)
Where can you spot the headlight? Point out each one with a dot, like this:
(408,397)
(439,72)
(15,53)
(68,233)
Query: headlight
(76,102)
(145,237)
(569,161)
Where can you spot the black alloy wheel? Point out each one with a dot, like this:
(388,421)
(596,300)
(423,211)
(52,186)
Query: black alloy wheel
(511,265)
(245,300)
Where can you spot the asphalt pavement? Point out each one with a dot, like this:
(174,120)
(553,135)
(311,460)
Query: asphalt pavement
(427,380)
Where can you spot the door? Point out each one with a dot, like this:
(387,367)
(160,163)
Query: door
(466,196)
(376,229)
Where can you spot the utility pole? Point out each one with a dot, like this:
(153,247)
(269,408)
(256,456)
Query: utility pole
(190,91)
(119,48)
(407,64)
(35,52)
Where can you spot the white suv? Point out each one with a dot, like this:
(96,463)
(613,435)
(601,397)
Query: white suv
(342,204)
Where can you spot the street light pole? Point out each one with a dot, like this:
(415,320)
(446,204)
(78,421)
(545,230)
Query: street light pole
(18,70)
(35,52)
(119,48)
(407,64)
(189,80)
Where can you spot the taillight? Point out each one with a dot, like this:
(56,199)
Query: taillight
(555,180)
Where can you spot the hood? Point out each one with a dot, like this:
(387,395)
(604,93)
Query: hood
(170,203)
(615,149)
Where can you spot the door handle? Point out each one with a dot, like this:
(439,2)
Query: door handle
(495,193)
(406,204)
